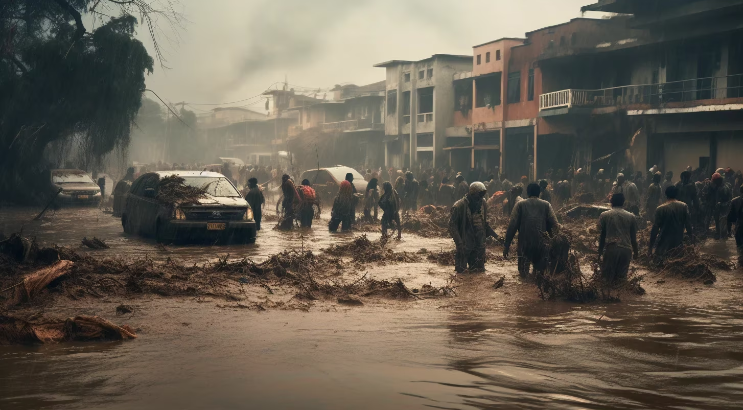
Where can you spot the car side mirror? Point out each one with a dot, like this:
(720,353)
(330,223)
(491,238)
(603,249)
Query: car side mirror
(149,193)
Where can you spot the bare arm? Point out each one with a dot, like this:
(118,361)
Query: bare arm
(513,226)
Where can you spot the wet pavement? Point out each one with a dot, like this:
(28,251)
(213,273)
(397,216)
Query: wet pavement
(679,347)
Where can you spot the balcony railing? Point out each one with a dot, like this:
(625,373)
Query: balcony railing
(697,89)
(352,125)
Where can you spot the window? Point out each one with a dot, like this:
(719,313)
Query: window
(424,140)
(463,97)
(514,87)
(421,74)
(430,73)
(406,77)
(487,57)
(531,85)
(392,102)
(488,91)
(406,103)
(497,55)
(479,59)
(425,100)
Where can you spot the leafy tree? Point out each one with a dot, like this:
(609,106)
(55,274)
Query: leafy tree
(59,82)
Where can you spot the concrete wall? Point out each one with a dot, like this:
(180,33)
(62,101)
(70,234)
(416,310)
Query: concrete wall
(682,150)
(730,150)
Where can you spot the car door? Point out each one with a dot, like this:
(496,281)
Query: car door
(149,208)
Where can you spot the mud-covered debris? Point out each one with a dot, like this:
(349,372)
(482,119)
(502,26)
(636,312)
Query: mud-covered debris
(350,300)
(434,222)
(589,211)
(94,243)
(173,190)
(689,263)
(15,330)
(499,283)
(35,282)
(362,250)
(124,309)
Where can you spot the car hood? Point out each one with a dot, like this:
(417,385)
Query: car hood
(222,201)
(77,187)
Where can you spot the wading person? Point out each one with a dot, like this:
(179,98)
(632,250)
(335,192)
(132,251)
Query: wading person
(671,219)
(514,197)
(736,216)
(349,178)
(545,193)
(462,188)
(617,241)
(687,193)
(410,195)
(344,208)
(631,194)
(468,227)
(371,198)
(668,181)
(390,205)
(445,196)
(531,218)
(256,200)
(654,199)
(291,197)
(308,201)
(717,201)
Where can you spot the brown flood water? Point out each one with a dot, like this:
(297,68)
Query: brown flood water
(664,350)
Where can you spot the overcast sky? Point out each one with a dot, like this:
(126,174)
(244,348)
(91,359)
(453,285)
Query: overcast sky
(234,49)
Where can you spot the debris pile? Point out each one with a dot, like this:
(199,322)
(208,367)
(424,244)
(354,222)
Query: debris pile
(94,243)
(14,330)
(689,263)
(172,190)
(433,223)
(362,250)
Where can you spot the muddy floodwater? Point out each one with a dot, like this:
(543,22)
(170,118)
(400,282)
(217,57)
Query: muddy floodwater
(680,346)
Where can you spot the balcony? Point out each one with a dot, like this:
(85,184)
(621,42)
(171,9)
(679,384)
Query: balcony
(353,125)
(654,95)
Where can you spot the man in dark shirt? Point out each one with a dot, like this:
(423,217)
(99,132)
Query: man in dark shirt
(688,195)
(671,219)
(445,195)
(618,240)
(531,218)
(256,200)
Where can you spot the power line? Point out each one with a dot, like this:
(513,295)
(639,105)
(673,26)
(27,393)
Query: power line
(169,109)
(239,101)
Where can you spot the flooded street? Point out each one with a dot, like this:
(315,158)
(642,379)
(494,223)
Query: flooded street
(679,346)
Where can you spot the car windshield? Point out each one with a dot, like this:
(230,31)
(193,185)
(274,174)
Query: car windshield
(214,186)
(71,179)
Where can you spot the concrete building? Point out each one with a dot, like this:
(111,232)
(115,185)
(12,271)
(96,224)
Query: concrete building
(347,128)
(658,84)
(420,108)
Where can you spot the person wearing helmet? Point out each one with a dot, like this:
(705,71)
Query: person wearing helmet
(531,218)
(468,227)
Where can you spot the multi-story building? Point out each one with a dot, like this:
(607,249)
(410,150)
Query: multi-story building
(661,82)
(348,129)
(420,108)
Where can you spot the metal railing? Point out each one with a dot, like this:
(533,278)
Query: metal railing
(697,89)
(352,125)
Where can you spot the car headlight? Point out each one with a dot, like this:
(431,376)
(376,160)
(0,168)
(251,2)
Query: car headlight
(248,215)
(179,214)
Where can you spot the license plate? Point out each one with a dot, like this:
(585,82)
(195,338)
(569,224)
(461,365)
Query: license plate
(216,226)
(82,197)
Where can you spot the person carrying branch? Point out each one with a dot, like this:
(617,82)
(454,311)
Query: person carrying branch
(468,227)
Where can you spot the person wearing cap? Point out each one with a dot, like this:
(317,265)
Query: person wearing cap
(256,200)
(462,187)
(531,218)
(717,201)
(654,198)
(468,227)
(411,189)
(671,219)
(736,217)
(617,240)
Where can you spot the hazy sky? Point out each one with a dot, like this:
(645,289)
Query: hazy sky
(234,49)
